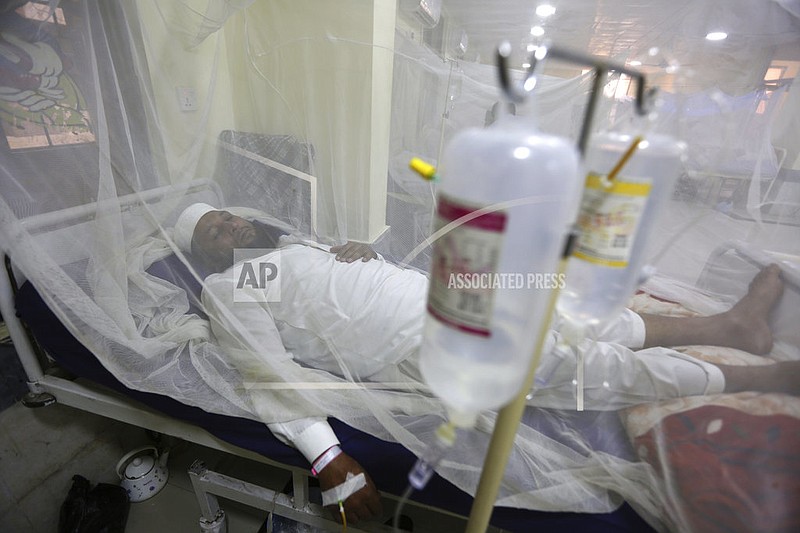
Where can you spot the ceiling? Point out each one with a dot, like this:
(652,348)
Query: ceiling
(625,30)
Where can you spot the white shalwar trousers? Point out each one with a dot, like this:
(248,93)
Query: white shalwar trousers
(617,373)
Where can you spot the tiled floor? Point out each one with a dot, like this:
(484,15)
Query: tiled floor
(41,449)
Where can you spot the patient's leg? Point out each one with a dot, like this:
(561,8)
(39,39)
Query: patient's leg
(744,326)
(779,377)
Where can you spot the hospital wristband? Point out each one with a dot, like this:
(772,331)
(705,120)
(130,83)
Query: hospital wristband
(323,460)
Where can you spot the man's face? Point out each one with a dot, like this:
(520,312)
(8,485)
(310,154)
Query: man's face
(217,234)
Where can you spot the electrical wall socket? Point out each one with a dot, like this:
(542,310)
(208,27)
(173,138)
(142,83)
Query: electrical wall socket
(187,98)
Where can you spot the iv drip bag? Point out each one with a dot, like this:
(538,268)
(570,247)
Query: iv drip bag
(507,197)
(615,220)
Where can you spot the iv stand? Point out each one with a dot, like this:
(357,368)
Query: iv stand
(519,94)
(509,416)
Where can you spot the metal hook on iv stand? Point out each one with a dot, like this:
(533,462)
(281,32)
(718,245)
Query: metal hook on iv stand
(509,416)
(519,94)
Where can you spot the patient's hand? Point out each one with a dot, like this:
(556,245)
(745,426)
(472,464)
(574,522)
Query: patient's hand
(351,251)
(362,505)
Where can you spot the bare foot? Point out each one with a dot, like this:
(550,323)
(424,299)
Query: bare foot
(747,320)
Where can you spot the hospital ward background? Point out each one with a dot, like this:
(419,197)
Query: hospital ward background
(400,265)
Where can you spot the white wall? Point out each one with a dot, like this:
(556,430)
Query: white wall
(322,71)
(169,29)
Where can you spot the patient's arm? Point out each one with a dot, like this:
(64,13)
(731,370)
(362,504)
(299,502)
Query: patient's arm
(253,326)
(313,436)
(347,253)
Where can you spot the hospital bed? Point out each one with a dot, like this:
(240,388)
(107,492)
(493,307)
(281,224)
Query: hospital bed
(67,373)
(60,369)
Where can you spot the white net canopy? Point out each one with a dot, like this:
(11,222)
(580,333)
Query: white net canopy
(303,116)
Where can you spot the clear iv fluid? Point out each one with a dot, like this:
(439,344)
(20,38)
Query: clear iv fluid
(595,292)
(478,343)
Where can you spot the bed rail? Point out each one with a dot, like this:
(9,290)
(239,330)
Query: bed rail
(87,211)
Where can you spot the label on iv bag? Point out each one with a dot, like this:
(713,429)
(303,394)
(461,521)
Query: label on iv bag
(470,246)
(609,219)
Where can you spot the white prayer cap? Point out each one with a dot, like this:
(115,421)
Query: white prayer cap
(184,227)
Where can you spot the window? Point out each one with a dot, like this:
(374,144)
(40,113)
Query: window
(42,101)
(777,75)
(62,69)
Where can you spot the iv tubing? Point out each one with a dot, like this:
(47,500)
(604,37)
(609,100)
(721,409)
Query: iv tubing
(425,466)
(403,499)
(624,159)
(344,516)
(505,429)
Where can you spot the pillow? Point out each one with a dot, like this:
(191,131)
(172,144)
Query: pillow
(172,270)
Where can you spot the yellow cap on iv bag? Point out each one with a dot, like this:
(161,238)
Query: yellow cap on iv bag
(426,170)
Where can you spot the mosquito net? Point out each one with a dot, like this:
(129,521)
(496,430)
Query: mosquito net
(303,116)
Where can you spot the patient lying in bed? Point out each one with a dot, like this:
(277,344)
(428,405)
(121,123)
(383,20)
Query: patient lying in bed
(345,310)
